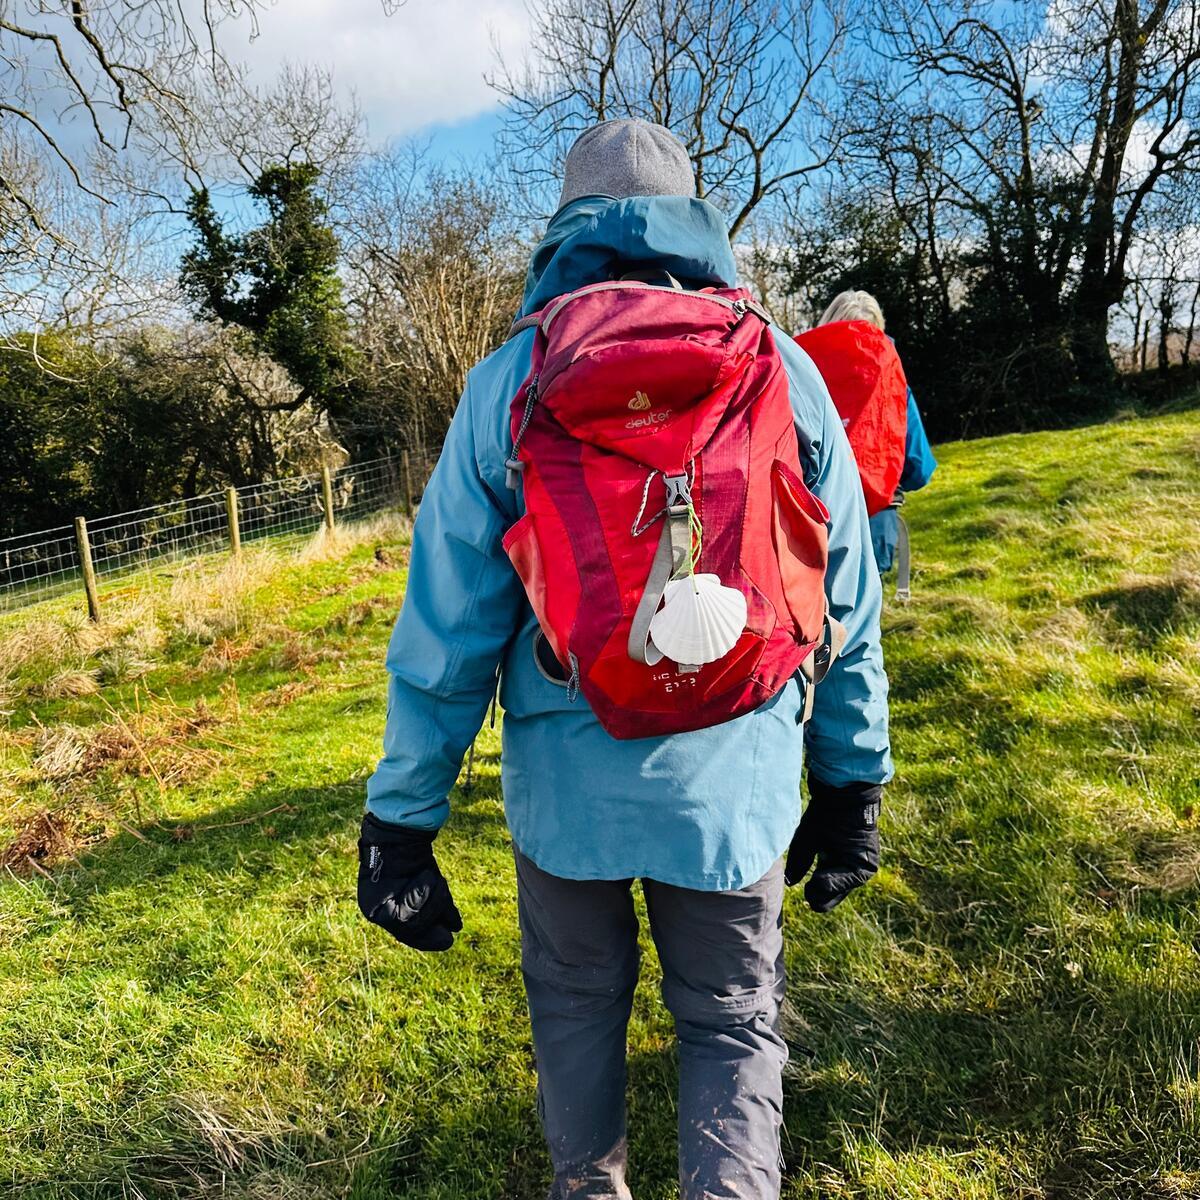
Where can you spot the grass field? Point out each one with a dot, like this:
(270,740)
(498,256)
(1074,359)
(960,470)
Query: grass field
(190,1004)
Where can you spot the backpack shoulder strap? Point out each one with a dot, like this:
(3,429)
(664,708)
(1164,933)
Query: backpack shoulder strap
(903,561)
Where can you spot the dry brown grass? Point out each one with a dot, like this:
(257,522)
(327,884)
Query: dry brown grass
(226,652)
(206,604)
(325,546)
(46,838)
(48,643)
(209,601)
(60,753)
(70,684)
(284,694)
(69,657)
(156,740)
(299,653)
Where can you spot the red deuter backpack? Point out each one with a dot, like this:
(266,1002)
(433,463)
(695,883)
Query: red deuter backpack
(862,370)
(665,508)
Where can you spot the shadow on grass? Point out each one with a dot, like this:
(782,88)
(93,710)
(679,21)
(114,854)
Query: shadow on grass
(1045,1061)
(1152,607)
(1036,1080)
(245,835)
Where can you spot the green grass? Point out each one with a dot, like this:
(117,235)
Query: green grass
(191,1005)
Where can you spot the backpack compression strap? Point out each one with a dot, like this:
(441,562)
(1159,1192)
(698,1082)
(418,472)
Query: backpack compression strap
(903,554)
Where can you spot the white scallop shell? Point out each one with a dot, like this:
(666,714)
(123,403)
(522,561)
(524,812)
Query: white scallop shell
(699,622)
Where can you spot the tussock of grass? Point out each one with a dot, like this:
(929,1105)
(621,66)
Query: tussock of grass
(208,603)
(61,752)
(383,529)
(191,1005)
(70,683)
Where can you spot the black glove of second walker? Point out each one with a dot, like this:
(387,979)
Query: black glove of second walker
(400,888)
(840,832)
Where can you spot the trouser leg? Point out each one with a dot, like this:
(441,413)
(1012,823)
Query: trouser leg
(723,981)
(579,958)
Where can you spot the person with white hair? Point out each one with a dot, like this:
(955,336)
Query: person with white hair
(919,462)
(854,306)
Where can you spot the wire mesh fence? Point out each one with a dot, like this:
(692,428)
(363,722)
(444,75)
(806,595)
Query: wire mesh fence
(49,562)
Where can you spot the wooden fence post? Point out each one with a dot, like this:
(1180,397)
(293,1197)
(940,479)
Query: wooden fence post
(89,572)
(327,497)
(231,511)
(408,482)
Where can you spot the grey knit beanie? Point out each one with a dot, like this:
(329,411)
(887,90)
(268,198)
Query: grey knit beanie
(627,158)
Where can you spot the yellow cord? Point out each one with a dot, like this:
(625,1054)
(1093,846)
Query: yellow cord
(696,530)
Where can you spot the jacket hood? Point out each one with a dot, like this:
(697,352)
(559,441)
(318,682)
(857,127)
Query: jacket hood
(596,238)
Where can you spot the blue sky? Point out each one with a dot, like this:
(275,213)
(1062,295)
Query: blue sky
(416,72)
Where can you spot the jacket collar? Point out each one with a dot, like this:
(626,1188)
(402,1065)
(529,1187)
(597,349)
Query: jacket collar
(596,238)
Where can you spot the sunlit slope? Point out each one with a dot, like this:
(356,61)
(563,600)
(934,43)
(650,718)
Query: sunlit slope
(190,1004)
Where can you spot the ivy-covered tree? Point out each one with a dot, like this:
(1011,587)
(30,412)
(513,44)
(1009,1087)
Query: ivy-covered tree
(278,282)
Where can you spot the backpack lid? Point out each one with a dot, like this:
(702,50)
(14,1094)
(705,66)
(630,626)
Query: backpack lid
(865,378)
(643,370)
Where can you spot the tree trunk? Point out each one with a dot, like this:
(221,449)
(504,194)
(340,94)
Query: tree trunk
(1089,343)
(1102,279)
(1166,315)
(1191,329)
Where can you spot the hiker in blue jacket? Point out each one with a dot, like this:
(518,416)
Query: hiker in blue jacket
(919,463)
(703,819)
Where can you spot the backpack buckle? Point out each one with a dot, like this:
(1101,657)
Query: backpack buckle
(679,491)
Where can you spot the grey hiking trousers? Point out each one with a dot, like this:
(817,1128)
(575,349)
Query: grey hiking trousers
(723,982)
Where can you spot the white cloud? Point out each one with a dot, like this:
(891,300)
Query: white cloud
(422,65)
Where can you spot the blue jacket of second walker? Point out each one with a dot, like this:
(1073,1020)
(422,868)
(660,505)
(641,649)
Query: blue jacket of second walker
(919,466)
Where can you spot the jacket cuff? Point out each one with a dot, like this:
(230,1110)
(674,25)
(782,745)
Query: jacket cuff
(408,850)
(864,797)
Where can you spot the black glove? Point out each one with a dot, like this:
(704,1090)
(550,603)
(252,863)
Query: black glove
(400,887)
(840,830)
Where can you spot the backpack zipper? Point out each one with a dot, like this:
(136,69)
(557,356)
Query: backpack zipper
(740,307)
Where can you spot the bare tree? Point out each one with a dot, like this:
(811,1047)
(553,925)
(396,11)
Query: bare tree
(750,88)
(103,61)
(82,79)
(436,265)
(1063,122)
(226,130)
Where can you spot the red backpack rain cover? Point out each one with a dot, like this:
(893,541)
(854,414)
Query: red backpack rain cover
(633,386)
(862,370)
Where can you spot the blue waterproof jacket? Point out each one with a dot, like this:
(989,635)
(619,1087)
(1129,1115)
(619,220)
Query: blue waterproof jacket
(919,466)
(709,810)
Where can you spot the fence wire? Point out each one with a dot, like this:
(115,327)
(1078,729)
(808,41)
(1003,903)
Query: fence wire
(37,566)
